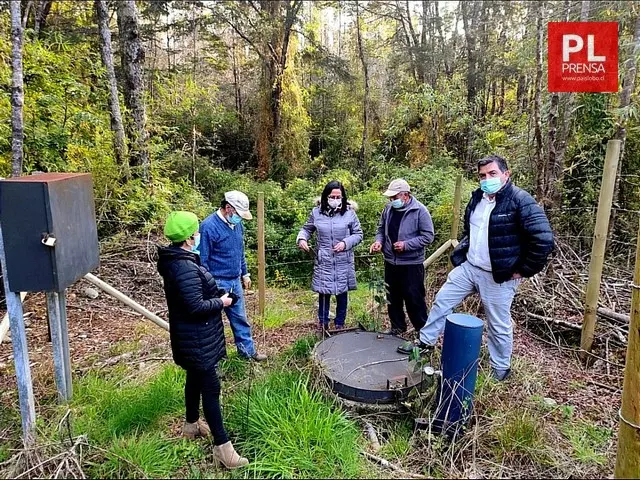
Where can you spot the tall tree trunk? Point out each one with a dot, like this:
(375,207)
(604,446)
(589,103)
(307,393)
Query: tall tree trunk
(559,131)
(472,63)
(17,90)
(493,98)
(271,79)
(362,157)
(132,53)
(628,87)
(40,19)
(521,92)
(547,193)
(418,48)
(483,61)
(236,79)
(274,62)
(445,58)
(25,13)
(117,127)
(540,167)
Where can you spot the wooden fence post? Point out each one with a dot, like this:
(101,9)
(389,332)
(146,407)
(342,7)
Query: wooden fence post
(455,223)
(598,249)
(628,454)
(262,285)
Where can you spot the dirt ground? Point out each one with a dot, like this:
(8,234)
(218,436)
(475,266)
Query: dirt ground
(102,330)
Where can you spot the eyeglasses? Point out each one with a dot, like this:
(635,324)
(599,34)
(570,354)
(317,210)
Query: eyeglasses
(334,198)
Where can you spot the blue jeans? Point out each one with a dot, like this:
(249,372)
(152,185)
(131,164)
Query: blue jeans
(237,316)
(324,301)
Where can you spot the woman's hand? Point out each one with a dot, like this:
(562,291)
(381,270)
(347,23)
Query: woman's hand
(339,247)
(226,300)
(302,245)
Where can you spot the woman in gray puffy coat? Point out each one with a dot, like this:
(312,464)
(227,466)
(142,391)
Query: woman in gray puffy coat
(339,231)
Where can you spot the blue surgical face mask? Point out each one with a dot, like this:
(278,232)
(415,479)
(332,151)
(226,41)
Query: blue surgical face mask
(491,185)
(397,203)
(194,247)
(235,219)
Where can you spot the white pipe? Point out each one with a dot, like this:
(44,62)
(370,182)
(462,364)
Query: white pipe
(126,300)
(4,325)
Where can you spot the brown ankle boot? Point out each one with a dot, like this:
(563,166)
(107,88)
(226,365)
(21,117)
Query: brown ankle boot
(190,430)
(204,429)
(227,455)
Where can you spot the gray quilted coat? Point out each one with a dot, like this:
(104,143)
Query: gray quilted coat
(333,273)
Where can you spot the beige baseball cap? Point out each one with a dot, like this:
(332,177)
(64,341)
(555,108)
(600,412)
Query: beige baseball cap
(240,202)
(396,186)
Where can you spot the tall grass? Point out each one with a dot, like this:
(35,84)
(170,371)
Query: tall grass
(104,409)
(292,431)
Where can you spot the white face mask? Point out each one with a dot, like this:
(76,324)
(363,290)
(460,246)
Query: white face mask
(334,203)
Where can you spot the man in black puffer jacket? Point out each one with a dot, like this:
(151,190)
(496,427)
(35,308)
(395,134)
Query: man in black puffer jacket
(195,305)
(507,237)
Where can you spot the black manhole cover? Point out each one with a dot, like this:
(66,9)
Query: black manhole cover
(365,367)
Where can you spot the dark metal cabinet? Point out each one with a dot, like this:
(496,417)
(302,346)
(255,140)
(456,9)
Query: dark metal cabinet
(49,229)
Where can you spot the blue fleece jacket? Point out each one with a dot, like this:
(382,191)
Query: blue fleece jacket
(222,248)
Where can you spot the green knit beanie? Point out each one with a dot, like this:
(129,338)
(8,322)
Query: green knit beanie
(180,226)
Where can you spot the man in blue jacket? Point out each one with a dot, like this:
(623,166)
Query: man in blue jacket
(222,254)
(404,230)
(507,237)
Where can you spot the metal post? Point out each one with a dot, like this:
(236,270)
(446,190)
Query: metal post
(20,353)
(65,343)
(53,310)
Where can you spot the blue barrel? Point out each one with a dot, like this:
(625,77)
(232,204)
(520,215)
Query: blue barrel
(460,356)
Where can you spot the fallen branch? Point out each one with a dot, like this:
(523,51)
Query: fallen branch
(562,323)
(610,314)
(373,437)
(606,387)
(391,466)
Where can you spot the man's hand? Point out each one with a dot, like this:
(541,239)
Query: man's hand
(375,247)
(515,276)
(246,282)
(302,245)
(398,246)
(339,247)
(226,300)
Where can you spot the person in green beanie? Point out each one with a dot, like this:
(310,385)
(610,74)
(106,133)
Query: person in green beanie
(196,331)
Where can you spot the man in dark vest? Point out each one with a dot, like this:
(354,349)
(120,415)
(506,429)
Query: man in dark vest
(507,237)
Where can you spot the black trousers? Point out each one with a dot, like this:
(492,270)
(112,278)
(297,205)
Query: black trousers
(406,287)
(205,383)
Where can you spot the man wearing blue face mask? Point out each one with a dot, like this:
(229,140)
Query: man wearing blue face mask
(222,254)
(507,237)
(404,230)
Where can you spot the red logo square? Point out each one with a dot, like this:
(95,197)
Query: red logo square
(583,56)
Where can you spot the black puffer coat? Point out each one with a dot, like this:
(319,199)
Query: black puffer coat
(520,237)
(193,299)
